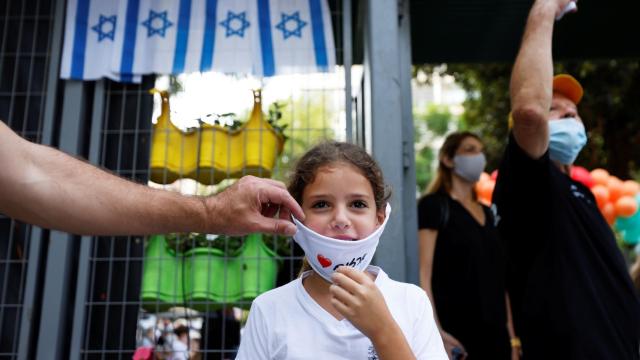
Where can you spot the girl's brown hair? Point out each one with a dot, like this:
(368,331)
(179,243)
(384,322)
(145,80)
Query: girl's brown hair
(443,181)
(334,152)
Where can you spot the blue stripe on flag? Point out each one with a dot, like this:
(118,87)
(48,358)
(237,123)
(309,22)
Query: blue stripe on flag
(268,67)
(319,44)
(129,45)
(209,41)
(80,39)
(182,38)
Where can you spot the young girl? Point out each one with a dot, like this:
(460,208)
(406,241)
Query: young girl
(341,308)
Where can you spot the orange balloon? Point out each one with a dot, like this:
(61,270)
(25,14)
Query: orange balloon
(484,177)
(600,176)
(630,188)
(485,190)
(626,206)
(609,213)
(601,193)
(478,187)
(615,188)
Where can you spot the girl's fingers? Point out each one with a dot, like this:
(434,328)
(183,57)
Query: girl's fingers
(346,282)
(356,275)
(342,295)
(342,308)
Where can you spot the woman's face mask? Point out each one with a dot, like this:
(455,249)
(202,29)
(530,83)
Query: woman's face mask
(567,137)
(326,254)
(469,167)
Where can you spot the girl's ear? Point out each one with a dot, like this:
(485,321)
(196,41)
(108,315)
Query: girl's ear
(380,215)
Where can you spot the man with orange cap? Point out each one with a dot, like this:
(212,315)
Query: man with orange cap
(571,295)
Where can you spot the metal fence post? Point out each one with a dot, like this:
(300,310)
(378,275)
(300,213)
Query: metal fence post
(55,297)
(86,242)
(388,107)
(31,294)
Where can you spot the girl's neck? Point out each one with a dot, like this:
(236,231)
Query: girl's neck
(461,190)
(318,289)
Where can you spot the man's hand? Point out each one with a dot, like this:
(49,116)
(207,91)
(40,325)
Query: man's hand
(250,205)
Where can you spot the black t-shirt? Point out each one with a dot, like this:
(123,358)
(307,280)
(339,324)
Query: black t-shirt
(467,276)
(572,297)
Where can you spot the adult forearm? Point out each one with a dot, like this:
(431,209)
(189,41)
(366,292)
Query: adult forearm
(533,70)
(57,191)
(531,80)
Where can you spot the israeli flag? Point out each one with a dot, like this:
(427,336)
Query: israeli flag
(300,39)
(124,39)
(89,37)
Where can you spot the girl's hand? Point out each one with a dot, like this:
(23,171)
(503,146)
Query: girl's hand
(359,300)
(450,343)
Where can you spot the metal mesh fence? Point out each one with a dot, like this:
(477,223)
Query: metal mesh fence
(146,291)
(126,292)
(25,49)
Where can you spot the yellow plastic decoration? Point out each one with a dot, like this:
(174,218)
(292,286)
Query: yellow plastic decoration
(213,153)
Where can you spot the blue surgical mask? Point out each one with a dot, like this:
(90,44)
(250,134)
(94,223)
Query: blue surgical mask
(566,138)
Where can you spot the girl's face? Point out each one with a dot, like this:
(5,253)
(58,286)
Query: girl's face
(339,203)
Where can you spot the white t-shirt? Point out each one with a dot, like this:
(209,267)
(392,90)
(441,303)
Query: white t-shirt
(286,323)
(179,350)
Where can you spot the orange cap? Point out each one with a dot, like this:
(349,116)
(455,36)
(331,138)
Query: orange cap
(568,86)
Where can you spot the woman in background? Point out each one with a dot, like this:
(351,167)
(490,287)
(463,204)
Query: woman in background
(462,262)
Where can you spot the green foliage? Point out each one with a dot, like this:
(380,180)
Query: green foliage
(437,119)
(274,117)
(424,172)
(305,121)
(435,122)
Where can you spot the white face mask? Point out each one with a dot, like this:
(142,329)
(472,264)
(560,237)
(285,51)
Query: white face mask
(326,254)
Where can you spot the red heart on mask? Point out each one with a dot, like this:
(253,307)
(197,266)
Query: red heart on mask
(324,261)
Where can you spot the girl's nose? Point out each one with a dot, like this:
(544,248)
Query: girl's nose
(341,219)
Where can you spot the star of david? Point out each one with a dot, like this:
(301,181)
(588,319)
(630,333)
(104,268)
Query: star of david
(287,31)
(153,21)
(108,32)
(235,24)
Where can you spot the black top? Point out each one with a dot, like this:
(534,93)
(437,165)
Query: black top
(467,277)
(572,297)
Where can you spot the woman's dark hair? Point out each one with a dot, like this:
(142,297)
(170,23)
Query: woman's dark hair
(443,180)
(328,153)
(333,152)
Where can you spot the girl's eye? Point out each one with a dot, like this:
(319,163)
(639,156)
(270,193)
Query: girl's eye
(320,204)
(359,204)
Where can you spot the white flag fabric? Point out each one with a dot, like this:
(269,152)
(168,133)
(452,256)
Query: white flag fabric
(124,39)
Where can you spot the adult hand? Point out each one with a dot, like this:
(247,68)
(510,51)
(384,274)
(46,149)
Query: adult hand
(250,205)
(561,6)
(450,343)
(359,300)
